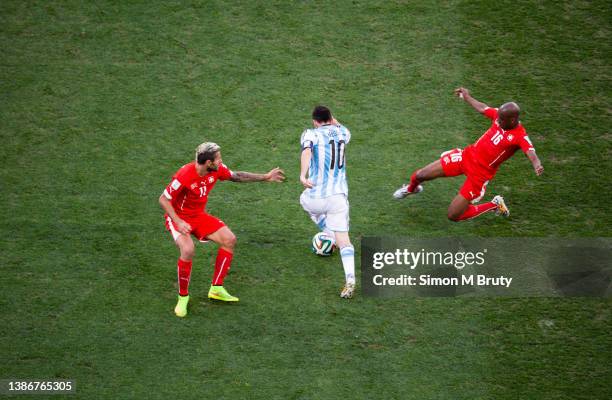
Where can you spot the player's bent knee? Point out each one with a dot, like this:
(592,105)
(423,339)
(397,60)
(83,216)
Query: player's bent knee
(187,252)
(186,247)
(452,217)
(229,240)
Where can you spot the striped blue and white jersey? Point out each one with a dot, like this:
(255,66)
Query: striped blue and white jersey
(327,169)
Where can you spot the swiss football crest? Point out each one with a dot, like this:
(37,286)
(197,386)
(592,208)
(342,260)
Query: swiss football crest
(510,137)
(211,179)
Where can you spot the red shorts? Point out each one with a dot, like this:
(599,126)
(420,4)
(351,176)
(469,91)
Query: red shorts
(201,225)
(455,162)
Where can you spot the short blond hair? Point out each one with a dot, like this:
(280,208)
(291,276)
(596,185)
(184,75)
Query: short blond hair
(206,151)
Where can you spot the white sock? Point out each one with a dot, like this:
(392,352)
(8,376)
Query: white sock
(348,263)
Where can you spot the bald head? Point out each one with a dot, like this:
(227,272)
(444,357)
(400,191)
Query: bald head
(508,115)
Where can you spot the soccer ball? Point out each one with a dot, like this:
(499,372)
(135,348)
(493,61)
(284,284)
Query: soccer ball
(323,244)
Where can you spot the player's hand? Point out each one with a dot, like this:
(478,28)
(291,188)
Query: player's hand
(539,169)
(307,183)
(462,92)
(275,175)
(182,226)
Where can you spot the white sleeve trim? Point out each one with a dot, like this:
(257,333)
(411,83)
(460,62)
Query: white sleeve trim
(167,195)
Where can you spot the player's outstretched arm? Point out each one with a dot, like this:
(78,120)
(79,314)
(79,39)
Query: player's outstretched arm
(464,94)
(535,161)
(275,175)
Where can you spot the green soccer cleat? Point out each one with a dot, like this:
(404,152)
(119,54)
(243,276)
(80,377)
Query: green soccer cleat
(219,293)
(181,306)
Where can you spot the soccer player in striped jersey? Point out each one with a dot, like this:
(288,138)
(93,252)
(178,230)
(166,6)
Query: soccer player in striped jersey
(479,161)
(325,196)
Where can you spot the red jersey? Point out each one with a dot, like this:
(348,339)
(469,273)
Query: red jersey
(497,145)
(188,191)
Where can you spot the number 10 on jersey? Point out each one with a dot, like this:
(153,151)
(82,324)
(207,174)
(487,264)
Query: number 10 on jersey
(340,156)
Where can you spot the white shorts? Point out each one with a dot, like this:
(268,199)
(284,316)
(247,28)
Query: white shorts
(330,212)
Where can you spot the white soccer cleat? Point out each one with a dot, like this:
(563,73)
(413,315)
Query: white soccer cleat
(403,192)
(347,291)
(502,209)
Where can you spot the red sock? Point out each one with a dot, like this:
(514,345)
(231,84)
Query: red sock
(184,275)
(414,182)
(222,266)
(474,211)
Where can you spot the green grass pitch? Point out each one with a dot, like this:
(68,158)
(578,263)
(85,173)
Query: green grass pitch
(100,102)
